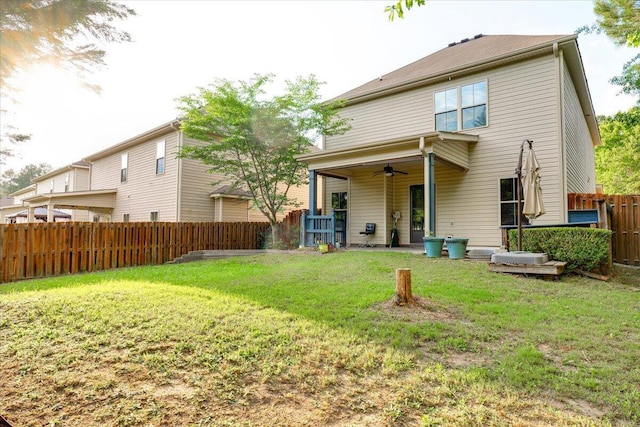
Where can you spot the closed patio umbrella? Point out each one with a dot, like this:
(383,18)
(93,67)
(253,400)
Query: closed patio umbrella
(529,177)
(533,206)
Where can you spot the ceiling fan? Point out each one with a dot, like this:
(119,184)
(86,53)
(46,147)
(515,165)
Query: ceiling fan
(389,171)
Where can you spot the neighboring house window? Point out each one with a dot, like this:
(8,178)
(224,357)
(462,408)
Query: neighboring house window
(51,186)
(160,157)
(509,202)
(473,98)
(472,113)
(154,216)
(96,218)
(125,218)
(124,162)
(447,110)
(66,183)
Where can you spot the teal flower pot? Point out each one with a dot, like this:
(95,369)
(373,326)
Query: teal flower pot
(457,248)
(433,246)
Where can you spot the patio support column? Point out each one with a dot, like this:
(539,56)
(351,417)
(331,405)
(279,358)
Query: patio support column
(432,194)
(50,217)
(31,214)
(313,193)
(429,194)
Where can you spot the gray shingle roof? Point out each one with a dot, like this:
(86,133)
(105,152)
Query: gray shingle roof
(459,56)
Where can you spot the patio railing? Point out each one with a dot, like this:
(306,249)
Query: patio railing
(316,229)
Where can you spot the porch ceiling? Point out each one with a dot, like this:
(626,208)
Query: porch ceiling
(450,148)
(94,200)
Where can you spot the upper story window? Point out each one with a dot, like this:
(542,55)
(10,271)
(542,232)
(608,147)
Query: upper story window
(447,110)
(125,218)
(160,150)
(463,107)
(124,162)
(153,216)
(66,183)
(51,186)
(474,105)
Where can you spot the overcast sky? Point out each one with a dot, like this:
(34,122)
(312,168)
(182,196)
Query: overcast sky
(181,45)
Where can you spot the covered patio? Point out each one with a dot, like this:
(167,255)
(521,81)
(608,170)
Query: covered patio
(360,167)
(100,201)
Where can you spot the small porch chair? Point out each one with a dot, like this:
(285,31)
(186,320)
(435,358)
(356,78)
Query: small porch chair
(369,228)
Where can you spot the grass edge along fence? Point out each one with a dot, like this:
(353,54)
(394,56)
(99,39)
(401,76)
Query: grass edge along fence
(36,250)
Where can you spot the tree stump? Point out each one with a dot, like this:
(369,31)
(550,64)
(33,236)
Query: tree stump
(404,296)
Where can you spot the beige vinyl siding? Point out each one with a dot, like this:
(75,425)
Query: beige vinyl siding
(144,192)
(234,210)
(523,101)
(522,104)
(79,180)
(391,117)
(580,153)
(195,183)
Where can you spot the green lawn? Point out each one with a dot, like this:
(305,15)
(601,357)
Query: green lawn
(306,339)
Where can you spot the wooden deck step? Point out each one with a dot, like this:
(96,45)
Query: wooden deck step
(549,269)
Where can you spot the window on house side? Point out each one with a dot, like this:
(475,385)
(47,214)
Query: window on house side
(446,108)
(66,183)
(474,105)
(125,218)
(51,186)
(339,200)
(509,202)
(472,100)
(124,162)
(160,156)
(153,217)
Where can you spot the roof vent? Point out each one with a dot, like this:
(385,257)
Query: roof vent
(477,36)
(452,44)
(464,40)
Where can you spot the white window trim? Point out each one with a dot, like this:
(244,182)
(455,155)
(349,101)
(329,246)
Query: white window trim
(459,105)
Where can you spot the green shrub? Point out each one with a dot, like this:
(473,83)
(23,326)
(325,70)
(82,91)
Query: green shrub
(583,248)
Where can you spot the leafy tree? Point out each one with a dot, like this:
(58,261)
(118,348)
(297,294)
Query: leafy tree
(398,8)
(618,157)
(12,181)
(57,31)
(620,21)
(252,140)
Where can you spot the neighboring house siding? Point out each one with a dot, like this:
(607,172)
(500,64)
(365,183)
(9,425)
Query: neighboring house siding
(80,180)
(522,104)
(195,188)
(235,210)
(144,192)
(580,152)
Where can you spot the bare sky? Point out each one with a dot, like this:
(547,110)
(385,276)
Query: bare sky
(180,45)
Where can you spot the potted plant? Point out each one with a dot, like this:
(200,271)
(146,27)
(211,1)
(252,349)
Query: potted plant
(433,246)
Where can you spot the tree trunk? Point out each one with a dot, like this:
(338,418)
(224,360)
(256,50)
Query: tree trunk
(404,296)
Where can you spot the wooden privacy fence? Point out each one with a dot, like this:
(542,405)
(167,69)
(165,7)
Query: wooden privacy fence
(48,249)
(621,215)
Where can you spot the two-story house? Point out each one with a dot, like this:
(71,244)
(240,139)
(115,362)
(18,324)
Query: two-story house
(437,142)
(142,179)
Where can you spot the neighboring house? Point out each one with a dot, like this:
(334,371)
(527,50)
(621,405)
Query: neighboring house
(141,179)
(454,121)
(17,205)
